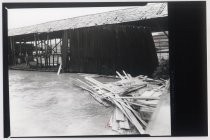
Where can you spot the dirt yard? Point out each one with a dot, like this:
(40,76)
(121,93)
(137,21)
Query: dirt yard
(44,104)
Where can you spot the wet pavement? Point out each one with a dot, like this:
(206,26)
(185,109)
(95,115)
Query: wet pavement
(44,104)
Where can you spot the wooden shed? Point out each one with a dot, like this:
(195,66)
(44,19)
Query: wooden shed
(100,43)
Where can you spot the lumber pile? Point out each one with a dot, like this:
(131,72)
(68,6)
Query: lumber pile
(134,99)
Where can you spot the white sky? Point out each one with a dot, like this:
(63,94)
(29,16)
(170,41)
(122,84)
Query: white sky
(25,17)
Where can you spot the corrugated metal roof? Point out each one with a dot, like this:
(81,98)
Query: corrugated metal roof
(151,10)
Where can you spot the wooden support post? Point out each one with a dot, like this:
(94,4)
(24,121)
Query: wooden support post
(20,49)
(41,53)
(53,60)
(35,39)
(26,49)
(51,54)
(69,50)
(56,50)
(12,43)
(46,61)
(48,53)
(64,50)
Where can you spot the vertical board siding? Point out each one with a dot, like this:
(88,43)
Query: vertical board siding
(105,49)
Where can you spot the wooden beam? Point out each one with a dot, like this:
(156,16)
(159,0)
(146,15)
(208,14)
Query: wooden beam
(41,53)
(35,39)
(45,54)
(64,49)
(165,33)
(56,46)
(48,51)
(139,97)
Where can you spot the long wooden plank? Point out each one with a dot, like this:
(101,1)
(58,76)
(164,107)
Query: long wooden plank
(124,124)
(139,98)
(97,98)
(119,115)
(150,102)
(132,89)
(121,77)
(130,116)
(147,110)
(97,90)
(130,82)
(59,69)
(101,85)
(134,120)
(138,104)
(130,76)
(156,94)
(92,93)
(134,112)
(120,107)
(147,93)
(115,124)
(90,79)
(127,77)
(81,82)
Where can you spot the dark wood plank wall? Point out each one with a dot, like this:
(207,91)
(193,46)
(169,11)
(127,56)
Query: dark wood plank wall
(105,49)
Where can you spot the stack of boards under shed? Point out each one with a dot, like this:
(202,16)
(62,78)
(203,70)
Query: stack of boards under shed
(134,98)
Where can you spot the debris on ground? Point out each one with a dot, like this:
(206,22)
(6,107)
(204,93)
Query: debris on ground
(134,99)
(59,69)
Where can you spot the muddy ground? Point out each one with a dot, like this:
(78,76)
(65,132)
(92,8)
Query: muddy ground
(44,104)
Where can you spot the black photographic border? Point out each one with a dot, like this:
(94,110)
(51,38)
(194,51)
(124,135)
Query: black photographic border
(187,57)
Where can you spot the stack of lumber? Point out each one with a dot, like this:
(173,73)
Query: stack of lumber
(134,99)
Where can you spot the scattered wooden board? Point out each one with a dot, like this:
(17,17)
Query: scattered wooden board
(124,124)
(119,115)
(130,109)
